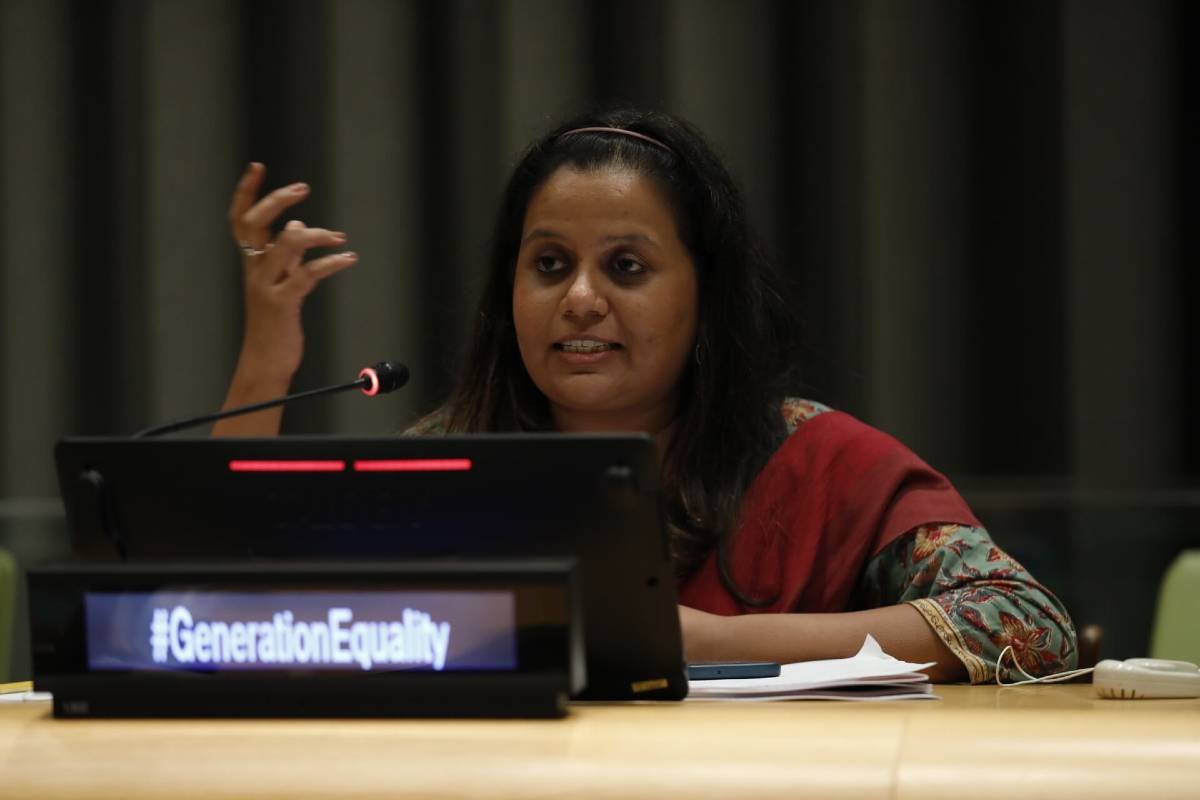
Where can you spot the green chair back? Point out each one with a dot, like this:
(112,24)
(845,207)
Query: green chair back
(8,603)
(1177,621)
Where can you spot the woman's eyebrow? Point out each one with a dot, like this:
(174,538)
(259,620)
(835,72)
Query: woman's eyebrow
(541,233)
(546,233)
(640,238)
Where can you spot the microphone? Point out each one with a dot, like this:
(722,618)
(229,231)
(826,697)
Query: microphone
(384,377)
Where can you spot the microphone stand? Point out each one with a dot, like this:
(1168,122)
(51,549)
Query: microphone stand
(178,425)
(384,377)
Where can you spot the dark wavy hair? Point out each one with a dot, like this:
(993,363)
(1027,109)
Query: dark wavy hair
(729,419)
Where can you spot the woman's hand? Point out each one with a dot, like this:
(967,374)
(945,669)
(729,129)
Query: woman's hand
(275,277)
(275,280)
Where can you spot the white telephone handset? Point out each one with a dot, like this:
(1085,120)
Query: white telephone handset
(1136,678)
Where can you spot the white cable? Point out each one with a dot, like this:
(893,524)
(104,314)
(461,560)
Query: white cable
(1062,676)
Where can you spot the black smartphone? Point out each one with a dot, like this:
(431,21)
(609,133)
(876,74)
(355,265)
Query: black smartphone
(732,669)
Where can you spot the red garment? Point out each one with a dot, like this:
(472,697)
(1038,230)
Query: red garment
(835,493)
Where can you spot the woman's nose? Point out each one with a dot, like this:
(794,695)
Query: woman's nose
(584,297)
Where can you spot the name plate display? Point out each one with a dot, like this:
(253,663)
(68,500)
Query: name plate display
(288,639)
(321,631)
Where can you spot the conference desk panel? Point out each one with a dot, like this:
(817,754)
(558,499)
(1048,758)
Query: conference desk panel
(981,741)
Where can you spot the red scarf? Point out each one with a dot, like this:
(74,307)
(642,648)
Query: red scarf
(835,494)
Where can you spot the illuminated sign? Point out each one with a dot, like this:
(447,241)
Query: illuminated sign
(175,636)
(295,630)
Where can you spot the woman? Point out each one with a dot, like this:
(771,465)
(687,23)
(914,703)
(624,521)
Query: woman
(626,293)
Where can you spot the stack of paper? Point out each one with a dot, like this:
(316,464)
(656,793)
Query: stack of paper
(870,675)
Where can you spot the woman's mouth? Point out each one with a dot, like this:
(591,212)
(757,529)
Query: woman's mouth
(585,346)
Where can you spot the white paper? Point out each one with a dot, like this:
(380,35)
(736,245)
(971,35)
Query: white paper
(829,679)
(892,691)
(25,697)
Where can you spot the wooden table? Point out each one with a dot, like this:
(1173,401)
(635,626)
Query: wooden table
(980,741)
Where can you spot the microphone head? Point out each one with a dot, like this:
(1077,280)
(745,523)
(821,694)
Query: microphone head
(384,377)
(392,375)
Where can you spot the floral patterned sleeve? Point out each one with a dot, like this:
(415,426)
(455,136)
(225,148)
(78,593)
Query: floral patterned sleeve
(976,597)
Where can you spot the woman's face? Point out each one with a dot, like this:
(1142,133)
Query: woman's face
(604,300)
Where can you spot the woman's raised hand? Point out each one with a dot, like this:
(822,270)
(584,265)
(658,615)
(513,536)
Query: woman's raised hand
(275,279)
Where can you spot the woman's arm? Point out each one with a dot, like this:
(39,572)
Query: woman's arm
(900,630)
(976,598)
(941,593)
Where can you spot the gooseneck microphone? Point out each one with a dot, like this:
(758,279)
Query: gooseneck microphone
(384,377)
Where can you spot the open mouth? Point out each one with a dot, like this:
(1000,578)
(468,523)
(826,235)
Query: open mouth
(585,346)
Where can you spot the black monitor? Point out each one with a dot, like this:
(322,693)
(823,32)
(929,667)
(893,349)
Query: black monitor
(594,498)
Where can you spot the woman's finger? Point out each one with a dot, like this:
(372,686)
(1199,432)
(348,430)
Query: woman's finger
(305,277)
(252,225)
(295,238)
(321,268)
(246,192)
(284,259)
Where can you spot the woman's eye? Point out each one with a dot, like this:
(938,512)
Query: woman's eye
(628,266)
(550,264)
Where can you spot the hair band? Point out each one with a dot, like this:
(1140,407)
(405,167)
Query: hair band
(621,132)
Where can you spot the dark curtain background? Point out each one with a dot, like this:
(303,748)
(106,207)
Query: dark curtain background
(982,208)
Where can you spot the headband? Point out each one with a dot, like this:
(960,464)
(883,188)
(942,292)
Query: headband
(621,132)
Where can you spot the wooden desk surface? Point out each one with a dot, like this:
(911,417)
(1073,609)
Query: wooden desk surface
(980,741)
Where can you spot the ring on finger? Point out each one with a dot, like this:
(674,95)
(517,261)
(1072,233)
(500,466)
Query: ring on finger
(251,251)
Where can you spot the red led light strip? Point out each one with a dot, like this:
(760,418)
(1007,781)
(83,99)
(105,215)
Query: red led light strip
(414,465)
(287,466)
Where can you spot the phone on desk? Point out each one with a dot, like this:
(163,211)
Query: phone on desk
(732,669)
